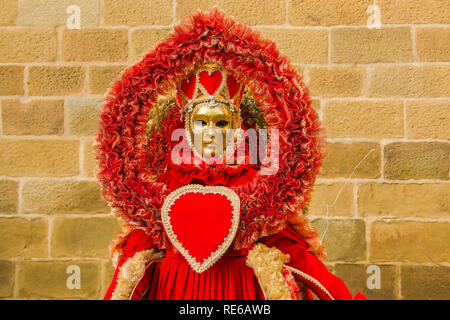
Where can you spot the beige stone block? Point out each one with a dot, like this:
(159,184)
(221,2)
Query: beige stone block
(137,12)
(55,80)
(316,105)
(433,44)
(336,12)
(83,237)
(409,81)
(264,12)
(416,160)
(60,197)
(51,279)
(11,80)
(101,78)
(412,11)
(8,16)
(428,200)
(28,45)
(9,196)
(409,241)
(37,117)
(143,40)
(23,238)
(344,240)
(300,45)
(325,195)
(363,119)
(39,158)
(357,276)
(89,162)
(425,282)
(342,159)
(428,119)
(336,81)
(6,278)
(107,45)
(53,13)
(364,45)
(83,115)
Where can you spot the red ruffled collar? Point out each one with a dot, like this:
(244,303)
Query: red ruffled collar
(179,175)
(203,173)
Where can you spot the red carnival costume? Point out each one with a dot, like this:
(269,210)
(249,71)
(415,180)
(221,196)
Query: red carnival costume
(194,229)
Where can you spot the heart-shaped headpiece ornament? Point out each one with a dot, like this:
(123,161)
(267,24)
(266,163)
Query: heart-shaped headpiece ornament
(209,83)
(201,222)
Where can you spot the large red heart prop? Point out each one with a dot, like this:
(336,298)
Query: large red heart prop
(201,222)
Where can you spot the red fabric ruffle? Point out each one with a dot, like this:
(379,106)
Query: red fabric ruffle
(137,240)
(177,177)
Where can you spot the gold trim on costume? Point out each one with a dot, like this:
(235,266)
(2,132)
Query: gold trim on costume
(195,188)
(267,263)
(308,277)
(131,272)
(115,259)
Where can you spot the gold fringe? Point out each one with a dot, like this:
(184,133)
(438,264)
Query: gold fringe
(160,110)
(253,109)
(308,277)
(131,272)
(267,264)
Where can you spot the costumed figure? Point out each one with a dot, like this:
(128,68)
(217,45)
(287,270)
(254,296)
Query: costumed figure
(208,149)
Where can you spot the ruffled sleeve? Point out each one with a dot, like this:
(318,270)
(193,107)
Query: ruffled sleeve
(307,268)
(135,255)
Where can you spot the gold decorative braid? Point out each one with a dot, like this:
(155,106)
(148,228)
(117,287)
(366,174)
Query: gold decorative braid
(267,263)
(131,272)
(308,277)
(253,109)
(162,107)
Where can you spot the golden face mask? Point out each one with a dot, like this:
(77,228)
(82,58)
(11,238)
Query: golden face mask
(208,126)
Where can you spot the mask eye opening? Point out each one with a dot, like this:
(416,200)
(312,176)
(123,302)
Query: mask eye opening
(222,123)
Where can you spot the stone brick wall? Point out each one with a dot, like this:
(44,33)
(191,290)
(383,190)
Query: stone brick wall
(383,95)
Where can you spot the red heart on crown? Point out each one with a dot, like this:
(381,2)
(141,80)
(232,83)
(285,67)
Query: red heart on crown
(188,86)
(201,222)
(233,86)
(211,82)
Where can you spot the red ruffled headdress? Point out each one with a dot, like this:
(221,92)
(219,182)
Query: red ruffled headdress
(130,161)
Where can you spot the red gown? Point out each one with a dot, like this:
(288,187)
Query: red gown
(229,278)
(171,277)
